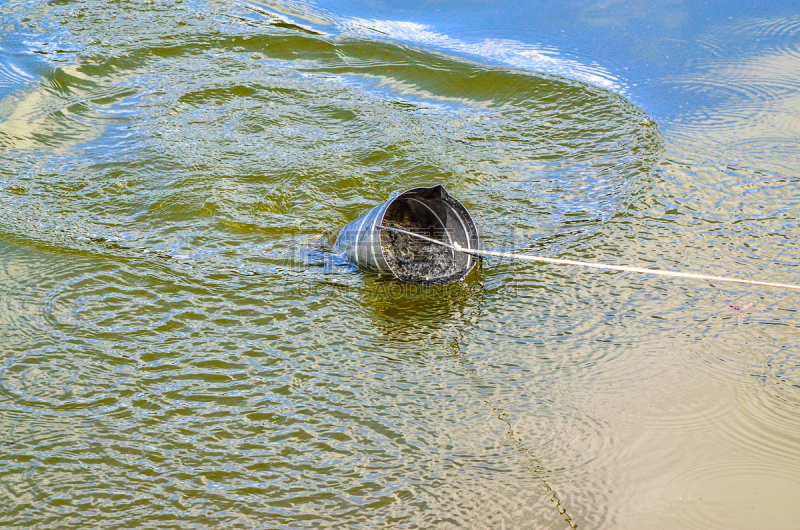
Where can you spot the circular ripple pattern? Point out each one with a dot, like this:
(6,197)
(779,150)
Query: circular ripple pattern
(193,130)
(180,360)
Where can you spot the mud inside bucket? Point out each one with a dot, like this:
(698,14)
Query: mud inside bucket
(431,212)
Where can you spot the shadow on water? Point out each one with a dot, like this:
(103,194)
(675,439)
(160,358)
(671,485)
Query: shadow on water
(418,319)
(405,312)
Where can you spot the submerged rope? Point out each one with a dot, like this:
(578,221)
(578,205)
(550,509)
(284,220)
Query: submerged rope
(525,257)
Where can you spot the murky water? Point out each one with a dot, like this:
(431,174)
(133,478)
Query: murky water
(179,351)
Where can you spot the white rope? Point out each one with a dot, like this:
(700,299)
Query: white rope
(542,259)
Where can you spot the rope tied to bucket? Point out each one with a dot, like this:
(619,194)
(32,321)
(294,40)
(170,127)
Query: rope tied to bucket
(542,259)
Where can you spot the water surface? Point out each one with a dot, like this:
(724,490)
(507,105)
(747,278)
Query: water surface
(176,354)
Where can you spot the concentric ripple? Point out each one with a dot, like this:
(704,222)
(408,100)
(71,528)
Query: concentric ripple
(181,350)
(204,123)
(184,355)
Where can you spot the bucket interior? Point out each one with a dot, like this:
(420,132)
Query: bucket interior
(415,260)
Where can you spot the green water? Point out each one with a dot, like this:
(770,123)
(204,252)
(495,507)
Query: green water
(176,354)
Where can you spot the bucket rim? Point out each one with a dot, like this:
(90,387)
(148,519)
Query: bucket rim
(447,196)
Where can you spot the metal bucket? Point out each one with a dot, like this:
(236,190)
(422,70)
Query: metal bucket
(431,212)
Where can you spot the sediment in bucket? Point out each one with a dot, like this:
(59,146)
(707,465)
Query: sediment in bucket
(431,212)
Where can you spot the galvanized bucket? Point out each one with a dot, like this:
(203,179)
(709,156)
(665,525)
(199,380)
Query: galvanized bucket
(431,212)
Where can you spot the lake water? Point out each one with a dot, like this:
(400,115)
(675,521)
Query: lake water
(179,350)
